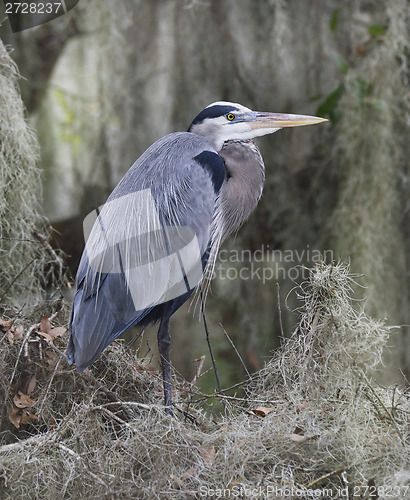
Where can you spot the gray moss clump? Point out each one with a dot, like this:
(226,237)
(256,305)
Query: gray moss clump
(312,419)
(24,249)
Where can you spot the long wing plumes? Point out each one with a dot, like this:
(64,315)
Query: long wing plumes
(158,262)
(145,247)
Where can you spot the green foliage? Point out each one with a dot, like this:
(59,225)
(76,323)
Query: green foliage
(376,30)
(334,20)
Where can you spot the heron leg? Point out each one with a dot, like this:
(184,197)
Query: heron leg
(164,342)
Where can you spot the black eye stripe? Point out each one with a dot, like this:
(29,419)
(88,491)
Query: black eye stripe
(213,112)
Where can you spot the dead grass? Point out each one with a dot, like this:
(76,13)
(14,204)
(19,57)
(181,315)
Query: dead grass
(312,418)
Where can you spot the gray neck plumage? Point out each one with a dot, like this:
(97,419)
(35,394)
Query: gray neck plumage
(243,188)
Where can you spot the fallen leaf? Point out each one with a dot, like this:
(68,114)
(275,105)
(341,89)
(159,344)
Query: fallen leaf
(18,416)
(46,336)
(45,325)
(28,417)
(261,411)
(57,332)
(298,436)
(178,480)
(235,483)
(302,407)
(32,385)
(15,333)
(10,337)
(189,473)
(373,490)
(52,423)
(208,455)
(18,332)
(51,359)
(22,400)
(144,367)
(6,324)
(14,415)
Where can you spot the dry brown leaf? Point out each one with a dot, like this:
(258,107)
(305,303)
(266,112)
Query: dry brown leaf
(45,325)
(22,400)
(302,407)
(32,385)
(6,324)
(46,336)
(18,416)
(189,473)
(208,455)
(14,415)
(18,332)
(261,411)
(28,418)
(15,333)
(145,367)
(235,483)
(57,332)
(10,337)
(52,423)
(298,435)
(373,490)
(52,358)
(178,480)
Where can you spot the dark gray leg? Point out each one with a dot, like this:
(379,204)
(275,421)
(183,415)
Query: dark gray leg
(164,342)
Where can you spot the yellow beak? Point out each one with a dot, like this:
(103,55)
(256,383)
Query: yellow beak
(278,120)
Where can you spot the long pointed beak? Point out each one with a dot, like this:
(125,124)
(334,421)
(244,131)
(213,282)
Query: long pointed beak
(278,120)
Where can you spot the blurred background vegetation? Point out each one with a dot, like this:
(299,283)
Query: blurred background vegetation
(103,82)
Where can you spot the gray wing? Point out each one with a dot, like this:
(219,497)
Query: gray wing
(147,244)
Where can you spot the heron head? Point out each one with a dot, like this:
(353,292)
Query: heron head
(225,121)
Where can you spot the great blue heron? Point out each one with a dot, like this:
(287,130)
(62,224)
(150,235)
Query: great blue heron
(157,237)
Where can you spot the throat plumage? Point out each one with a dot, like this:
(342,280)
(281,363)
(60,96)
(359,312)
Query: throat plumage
(244,185)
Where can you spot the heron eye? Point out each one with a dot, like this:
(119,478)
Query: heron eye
(230,116)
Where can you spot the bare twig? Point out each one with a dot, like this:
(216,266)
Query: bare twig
(280,312)
(49,249)
(44,398)
(16,278)
(32,441)
(198,369)
(236,351)
(81,461)
(329,474)
(25,340)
